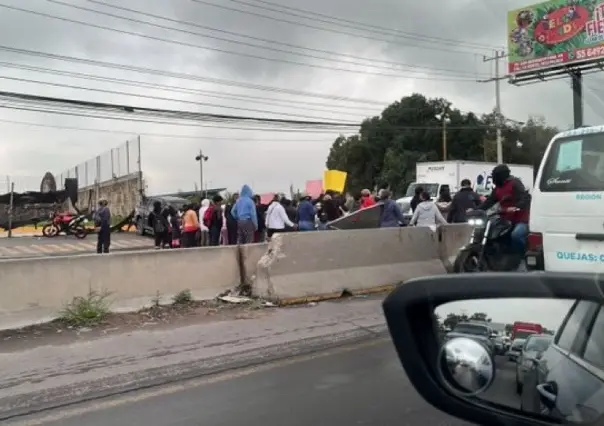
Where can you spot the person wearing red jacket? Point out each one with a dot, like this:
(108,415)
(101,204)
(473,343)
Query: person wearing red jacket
(366,199)
(514,202)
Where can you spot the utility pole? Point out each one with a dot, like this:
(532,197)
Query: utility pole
(11,208)
(201,158)
(497,58)
(444,138)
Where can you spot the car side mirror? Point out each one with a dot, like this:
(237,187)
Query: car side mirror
(415,309)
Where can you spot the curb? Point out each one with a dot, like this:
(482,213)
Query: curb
(334,296)
(38,402)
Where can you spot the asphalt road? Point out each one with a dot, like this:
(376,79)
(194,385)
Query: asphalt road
(24,247)
(358,385)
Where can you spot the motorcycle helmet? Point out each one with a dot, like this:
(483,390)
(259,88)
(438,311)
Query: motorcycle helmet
(500,174)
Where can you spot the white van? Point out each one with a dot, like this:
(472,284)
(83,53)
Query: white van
(567,209)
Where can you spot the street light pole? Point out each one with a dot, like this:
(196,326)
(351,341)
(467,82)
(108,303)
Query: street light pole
(201,158)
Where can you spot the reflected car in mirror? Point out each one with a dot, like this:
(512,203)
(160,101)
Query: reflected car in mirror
(558,378)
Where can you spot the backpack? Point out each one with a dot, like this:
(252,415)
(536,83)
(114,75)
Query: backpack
(208,216)
(159,227)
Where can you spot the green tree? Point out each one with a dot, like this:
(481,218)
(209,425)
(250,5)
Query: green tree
(480,316)
(388,146)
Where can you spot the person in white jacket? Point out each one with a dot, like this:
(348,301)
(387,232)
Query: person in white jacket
(276,218)
(205,232)
(427,213)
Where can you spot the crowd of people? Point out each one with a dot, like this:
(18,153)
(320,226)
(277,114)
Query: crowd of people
(245,219)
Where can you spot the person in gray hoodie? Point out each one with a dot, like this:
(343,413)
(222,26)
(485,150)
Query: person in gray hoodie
(427,213)
(391,216)
(102,221)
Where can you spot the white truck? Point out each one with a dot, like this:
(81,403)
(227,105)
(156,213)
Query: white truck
(435,176)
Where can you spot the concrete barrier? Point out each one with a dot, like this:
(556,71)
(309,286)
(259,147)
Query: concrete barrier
(311,265)
(34,291)
(293,267)
(250,256)
(451,238)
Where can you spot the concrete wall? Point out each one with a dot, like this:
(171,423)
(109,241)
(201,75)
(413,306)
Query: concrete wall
(293,267)
(123,194)
(36,290)
(308,264)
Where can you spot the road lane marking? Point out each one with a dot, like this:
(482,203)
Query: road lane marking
(131,398)
(26,249)
(45,248)
(68,247)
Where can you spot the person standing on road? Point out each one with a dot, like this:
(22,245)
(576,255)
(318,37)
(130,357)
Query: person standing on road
(159,223)
(102,222)
(213,220)
(391,216)
(244,212)
(427,213)
(306,214)
(175,227)
(276,218)
(190,227)
(465,199)
(260,234)
(231,222)
(205,231)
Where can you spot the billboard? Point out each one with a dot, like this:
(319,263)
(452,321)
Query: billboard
(554,33)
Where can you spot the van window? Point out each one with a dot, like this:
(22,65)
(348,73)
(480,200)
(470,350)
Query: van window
(575,164)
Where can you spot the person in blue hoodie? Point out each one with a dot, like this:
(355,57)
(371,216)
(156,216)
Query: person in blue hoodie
(244,212)
(306,214)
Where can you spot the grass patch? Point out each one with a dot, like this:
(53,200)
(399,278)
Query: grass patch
(85,311)
(183,298)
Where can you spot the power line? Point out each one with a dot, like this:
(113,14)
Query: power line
(115,92)
(331,30)
(360,25)
(184,76)
(215,49)
(171,123)
(155,135)
(171,88)
(109,107)
(436,127)
(365,25)
(152,24)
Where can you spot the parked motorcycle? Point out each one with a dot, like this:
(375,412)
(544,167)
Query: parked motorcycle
(65,224)
(490,247)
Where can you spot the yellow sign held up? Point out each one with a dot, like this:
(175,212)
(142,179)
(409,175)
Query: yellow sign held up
(334,180)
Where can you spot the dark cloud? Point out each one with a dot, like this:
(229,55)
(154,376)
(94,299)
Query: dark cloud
(267,160)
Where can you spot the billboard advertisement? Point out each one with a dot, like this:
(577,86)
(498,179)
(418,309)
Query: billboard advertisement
(554,33)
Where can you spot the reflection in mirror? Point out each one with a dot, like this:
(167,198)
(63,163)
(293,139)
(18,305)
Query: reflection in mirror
(467,366)
(503,351)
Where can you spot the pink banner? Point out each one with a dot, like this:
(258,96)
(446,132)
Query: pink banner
(267,198)
(314,188)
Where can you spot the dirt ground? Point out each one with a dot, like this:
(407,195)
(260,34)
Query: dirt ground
(155,318)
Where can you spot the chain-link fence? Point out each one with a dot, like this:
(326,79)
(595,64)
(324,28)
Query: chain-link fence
(113,164)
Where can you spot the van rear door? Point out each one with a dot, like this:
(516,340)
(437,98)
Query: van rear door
(568,203)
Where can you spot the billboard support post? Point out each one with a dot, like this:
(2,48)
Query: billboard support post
(577,86)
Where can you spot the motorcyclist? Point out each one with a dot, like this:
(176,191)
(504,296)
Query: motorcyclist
(514,203)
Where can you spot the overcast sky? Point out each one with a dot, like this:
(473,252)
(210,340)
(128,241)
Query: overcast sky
(267,160)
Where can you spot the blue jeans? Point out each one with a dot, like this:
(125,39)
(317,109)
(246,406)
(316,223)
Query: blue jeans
(519,236)
(306,226)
